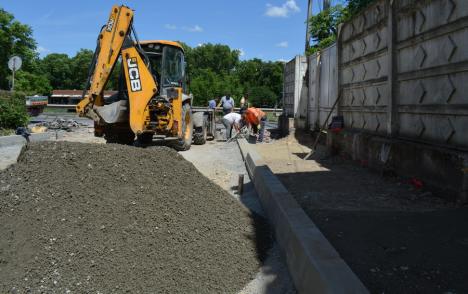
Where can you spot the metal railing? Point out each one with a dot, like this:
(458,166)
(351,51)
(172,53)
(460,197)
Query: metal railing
(195,108)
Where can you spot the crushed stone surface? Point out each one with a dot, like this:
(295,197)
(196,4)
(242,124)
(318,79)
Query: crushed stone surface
(95,218)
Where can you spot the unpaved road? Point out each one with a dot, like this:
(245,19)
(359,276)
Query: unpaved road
(80,218)
(396,238)
(222,163)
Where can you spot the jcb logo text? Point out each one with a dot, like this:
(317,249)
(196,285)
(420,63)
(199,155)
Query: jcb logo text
(134,74)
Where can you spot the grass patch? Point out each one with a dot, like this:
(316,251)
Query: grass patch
(6,132)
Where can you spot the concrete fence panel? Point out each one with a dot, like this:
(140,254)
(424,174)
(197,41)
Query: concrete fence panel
(401,70)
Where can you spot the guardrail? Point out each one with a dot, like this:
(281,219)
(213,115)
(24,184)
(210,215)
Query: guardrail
(196,108)
(64,106)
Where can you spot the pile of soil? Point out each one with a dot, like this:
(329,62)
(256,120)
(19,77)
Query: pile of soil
(79,218)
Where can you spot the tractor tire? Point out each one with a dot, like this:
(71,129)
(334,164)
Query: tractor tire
(185,141)
(200,125)
(143,140)
(199,137)
(119,134)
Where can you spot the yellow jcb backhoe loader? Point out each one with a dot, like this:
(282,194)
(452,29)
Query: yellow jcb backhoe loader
(151,102)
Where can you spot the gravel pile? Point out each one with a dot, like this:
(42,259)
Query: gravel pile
(81,218)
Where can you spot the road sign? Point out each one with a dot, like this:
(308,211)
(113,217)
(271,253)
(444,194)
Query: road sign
(15,63)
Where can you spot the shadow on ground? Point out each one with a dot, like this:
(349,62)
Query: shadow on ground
(396,238)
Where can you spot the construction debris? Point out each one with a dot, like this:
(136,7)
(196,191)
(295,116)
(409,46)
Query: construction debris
(58,124)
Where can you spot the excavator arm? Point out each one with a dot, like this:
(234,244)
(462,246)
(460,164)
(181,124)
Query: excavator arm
(115,40)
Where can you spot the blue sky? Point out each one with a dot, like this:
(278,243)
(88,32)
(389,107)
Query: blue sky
(266,29)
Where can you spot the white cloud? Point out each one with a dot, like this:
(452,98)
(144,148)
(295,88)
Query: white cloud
(283,44)
(289,7)
(170,26)
(42,50)
(194,29)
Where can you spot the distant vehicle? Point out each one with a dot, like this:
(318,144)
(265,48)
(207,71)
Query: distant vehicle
(35,104)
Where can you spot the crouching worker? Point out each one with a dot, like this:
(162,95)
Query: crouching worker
(256,119)
(231,120)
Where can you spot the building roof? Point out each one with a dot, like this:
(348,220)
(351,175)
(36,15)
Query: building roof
(76,93)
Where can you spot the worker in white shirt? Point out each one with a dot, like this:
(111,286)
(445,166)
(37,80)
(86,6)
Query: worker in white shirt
(231,120)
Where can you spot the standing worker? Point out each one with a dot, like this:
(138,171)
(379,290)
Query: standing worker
(255,118)
(212,103)
(231,120)
(227,103)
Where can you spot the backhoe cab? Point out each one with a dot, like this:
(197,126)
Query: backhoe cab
(151,102)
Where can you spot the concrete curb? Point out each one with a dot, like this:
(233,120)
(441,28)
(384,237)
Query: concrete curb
(12,140)
(20,140)
(11,147)
(313,263)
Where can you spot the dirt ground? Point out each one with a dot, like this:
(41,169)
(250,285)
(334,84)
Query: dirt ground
(82,218)
(395,237)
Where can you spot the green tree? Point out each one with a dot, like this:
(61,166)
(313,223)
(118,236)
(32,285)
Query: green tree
(79,67)
(58,69)
(12,110)
(356,6)
(262,96)
(255,73)
(324,27)
(216,57)
(32,84)
(15,39)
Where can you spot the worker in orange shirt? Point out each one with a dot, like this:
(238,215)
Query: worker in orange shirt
(255,118)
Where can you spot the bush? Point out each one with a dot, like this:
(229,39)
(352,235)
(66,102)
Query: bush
(13,112)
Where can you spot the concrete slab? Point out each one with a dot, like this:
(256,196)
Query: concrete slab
(314,264)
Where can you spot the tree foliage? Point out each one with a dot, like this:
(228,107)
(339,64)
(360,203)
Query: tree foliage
(32,84)
(356,6)
(16,39)
(12,110)
(262,96)
(215,70)
(58,70)
(324,25)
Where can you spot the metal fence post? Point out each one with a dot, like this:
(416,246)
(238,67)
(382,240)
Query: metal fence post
(339,49)
(392,105)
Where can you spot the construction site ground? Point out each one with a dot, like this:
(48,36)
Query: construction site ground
(243,235)
(396,237)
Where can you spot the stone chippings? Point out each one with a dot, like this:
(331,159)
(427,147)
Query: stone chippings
(81,218)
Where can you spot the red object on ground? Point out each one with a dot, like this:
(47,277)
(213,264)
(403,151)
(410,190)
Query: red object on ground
(416,183)
(336,130)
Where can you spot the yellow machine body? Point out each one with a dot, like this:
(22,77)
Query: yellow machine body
(152,101)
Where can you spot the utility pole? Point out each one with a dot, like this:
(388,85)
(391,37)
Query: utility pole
(309,14)
(326,4)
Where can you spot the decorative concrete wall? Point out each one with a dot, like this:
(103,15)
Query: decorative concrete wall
(294,72)
(402,72)
(323,85)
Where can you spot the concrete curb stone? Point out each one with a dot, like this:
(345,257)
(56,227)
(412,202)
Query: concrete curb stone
(11,147)
(313,263)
